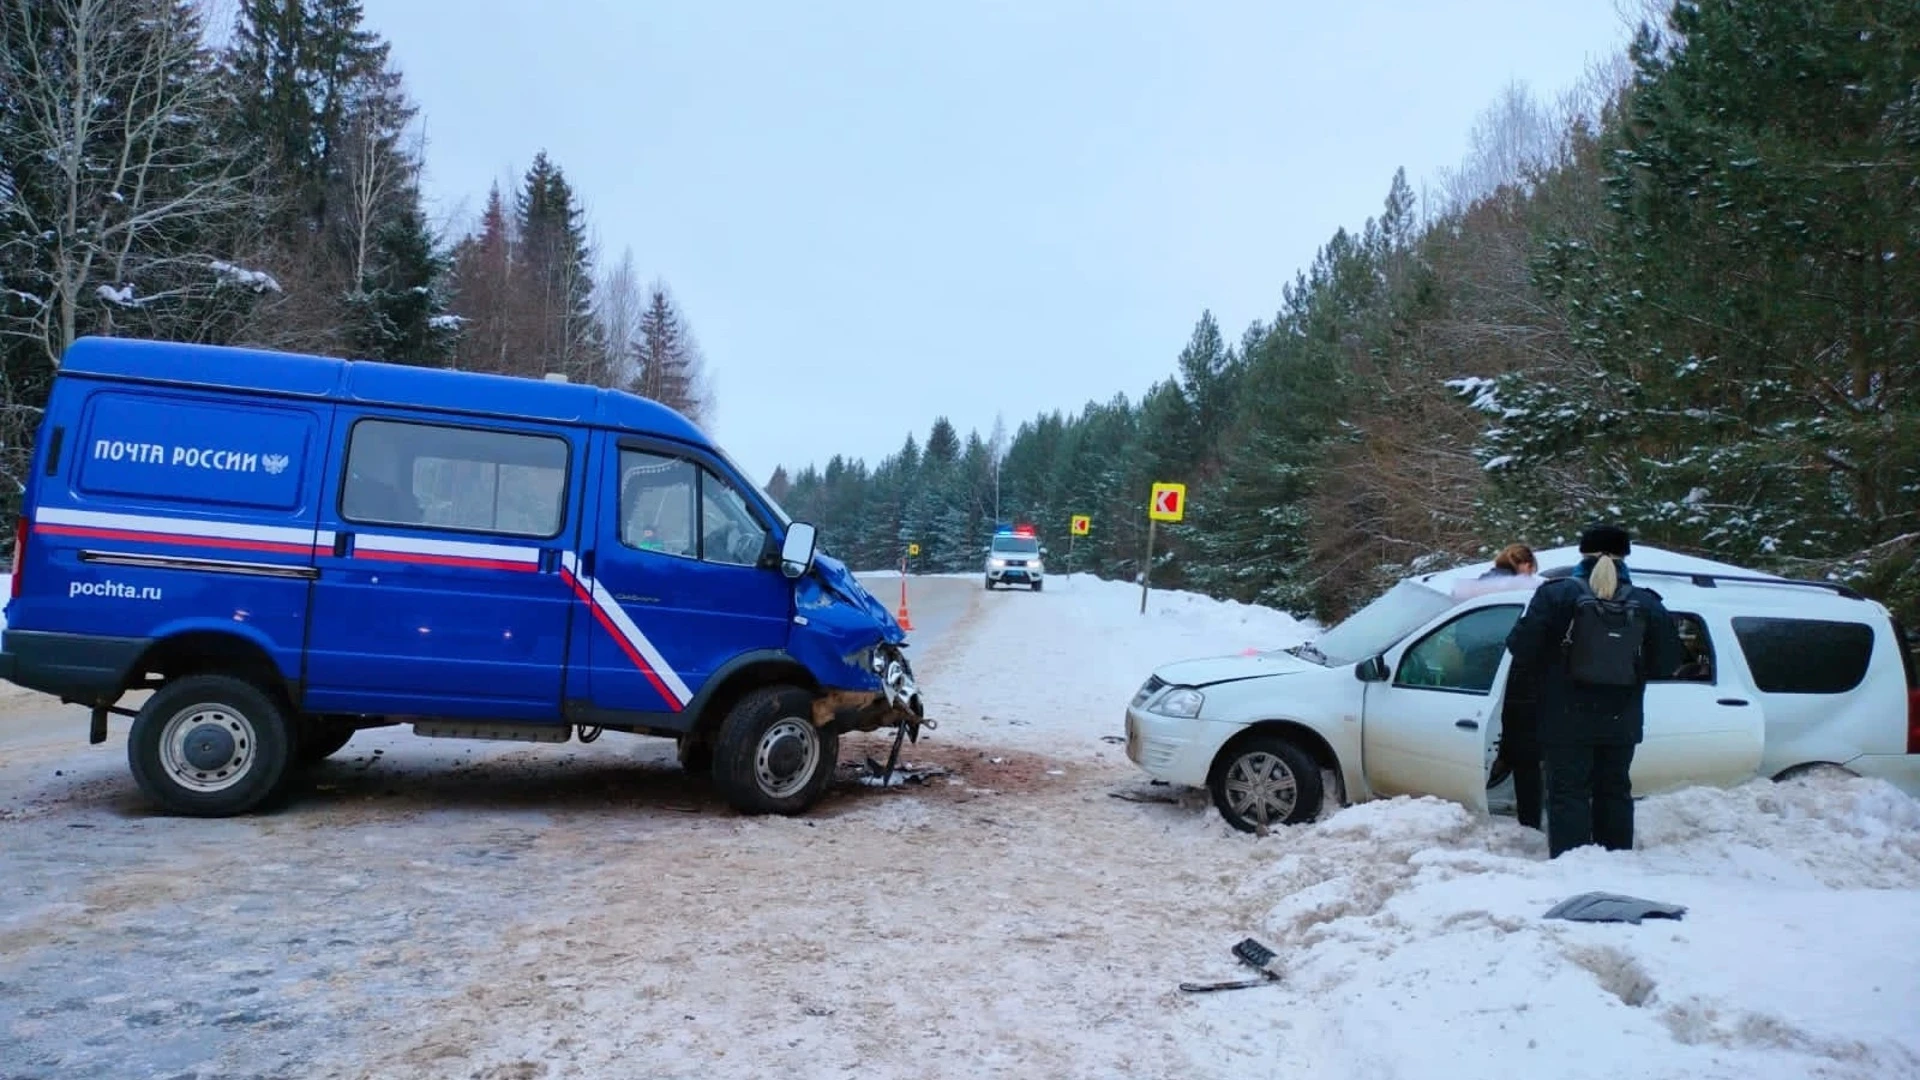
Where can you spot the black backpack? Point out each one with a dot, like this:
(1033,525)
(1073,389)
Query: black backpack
(1606,639)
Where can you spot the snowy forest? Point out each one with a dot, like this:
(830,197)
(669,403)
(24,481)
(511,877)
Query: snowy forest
(1684,296)
(259,184)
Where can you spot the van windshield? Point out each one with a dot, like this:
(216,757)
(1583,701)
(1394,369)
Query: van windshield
(779,512)
(1375,628)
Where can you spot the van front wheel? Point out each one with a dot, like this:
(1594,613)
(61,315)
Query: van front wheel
(769,758)
(210,746)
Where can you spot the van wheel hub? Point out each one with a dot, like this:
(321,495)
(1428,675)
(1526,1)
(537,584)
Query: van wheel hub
(207,747)
(788,754)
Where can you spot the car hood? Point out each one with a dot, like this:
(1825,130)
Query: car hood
(1211,671)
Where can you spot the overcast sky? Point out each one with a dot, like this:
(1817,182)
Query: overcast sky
(875,213)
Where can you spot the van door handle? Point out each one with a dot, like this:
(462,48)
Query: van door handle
(1734,701)
(340,544)
(1467,725)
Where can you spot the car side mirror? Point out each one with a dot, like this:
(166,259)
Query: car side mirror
(796,553)
(1043,551)
(1372,669)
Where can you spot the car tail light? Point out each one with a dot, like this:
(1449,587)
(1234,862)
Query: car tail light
(19,550)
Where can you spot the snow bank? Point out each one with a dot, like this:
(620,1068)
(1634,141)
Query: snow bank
(1057,668)
(1416,946)
(1413,931)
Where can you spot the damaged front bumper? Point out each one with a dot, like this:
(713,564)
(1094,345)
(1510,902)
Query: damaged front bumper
(895,704)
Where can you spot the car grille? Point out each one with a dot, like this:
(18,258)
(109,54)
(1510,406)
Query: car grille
(1016,562)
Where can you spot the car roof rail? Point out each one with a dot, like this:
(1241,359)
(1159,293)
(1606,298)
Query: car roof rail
(1706,580)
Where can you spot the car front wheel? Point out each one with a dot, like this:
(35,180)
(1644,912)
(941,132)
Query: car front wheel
(1263,781)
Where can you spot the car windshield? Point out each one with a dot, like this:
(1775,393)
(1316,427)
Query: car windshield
(1015,545)
(1374,628)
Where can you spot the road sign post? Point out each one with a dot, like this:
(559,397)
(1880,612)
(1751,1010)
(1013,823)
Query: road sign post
(1079,526)
(1169,503)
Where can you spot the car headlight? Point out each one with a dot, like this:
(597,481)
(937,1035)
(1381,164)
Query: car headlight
(1181,702)
(997,564)
(1038,566)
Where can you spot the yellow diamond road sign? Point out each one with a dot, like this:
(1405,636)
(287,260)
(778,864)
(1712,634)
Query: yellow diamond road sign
(1169,502)
(913,550)
(1082,524)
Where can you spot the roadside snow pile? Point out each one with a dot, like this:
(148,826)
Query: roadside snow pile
(1415,944)
(1057,668)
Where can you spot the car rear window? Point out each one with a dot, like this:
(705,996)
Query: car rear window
(1805,656)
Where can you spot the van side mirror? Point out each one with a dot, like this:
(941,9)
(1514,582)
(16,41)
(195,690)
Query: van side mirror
(1372,669)
(796,554)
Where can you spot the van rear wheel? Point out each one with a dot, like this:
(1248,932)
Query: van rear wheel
(769,758)
(210,746)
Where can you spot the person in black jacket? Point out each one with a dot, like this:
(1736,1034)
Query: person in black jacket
(1587,733)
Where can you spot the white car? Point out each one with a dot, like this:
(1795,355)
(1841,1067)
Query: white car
(1403,697)
(1015,557)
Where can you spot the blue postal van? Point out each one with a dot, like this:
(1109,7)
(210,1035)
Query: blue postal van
(286,549)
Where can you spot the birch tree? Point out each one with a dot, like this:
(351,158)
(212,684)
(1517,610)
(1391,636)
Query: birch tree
(121,190)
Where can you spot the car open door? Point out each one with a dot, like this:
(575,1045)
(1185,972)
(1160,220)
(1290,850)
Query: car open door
(1428,725)
(1708,727)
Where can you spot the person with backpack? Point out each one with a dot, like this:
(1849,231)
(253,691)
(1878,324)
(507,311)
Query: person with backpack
(1589,643)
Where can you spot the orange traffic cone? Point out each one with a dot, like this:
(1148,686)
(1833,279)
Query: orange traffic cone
(905,621)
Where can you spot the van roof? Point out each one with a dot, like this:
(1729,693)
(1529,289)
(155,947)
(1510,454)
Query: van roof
(369,382)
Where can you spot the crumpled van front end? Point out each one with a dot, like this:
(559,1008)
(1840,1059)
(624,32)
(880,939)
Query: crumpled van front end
(855,647)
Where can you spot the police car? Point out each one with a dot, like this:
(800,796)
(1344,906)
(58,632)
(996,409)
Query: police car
(1404,696)
(288,549)
(1015,557)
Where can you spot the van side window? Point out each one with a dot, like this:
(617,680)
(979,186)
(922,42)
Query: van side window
(657,510)
(1698,647)
(466,479)
(1805,656)
(1464,655)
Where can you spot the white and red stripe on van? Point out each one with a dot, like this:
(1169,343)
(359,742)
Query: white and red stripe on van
(142,528)
(463,553)
(286,540)
(614,620)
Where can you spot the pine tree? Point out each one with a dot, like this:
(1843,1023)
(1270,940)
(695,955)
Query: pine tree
(557,328)
(482,282)
(667,365)
(1746,316)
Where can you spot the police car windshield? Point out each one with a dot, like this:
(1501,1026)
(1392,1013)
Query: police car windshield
(1018,545)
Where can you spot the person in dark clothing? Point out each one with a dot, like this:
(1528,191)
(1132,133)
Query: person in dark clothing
(1587,732)
(1519,737)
